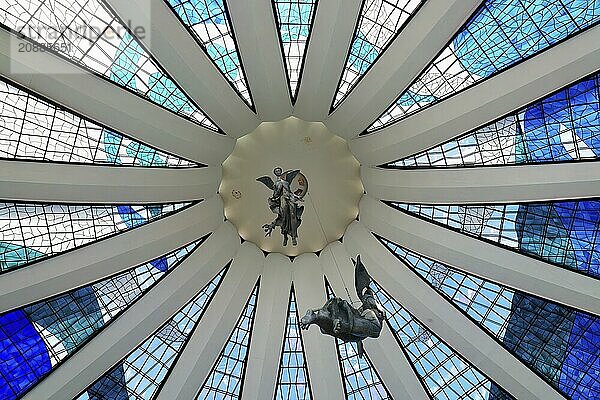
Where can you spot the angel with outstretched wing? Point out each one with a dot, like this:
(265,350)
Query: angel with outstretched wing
(338,318)
(284,203)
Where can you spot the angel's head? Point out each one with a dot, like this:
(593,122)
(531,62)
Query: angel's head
(278,171)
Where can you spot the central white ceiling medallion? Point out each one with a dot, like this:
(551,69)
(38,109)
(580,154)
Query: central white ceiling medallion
(311,188)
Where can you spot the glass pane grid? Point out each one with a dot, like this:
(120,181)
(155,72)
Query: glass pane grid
(294,20)
(564,233)
(500,34)
(140,375)
(208,21)
(31,128)
(379,23)
(292,381)
(564,126)
(35,339)
(443,372)
(226,378)
(361,380)
(555,341)
(31,232)
(88,33)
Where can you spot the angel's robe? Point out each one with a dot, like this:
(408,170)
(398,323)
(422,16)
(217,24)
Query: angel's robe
(288,214)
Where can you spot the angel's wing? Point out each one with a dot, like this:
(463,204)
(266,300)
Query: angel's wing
(362,279)
(289,177)
(267,181)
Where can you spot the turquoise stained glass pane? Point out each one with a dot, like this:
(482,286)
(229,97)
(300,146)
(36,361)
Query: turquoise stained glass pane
(225,378)
(379,23)
(33,128)
(443,372)
(563,126)
(500,34)
(558,342)
(209,23)
(294,21)
(564,233)
(90,34)
(35,339)
(31,232)
(139,376)
(292,379)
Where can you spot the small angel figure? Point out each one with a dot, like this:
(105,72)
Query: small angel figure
(285,204)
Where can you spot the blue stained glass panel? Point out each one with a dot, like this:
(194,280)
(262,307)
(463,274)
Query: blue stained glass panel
(31,232)
(294,20)
(226,377)
(556,341)
(35,339)
(380,21)
(564,233)
(500,34)
(208,20)
(443,372)
(142,372)
(563,126)
(25,358)
(293,381)
(91,35)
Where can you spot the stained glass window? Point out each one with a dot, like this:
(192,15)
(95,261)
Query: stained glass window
(294,20)
(379,23)
(89,33)
(500,34)
(35,339)
(564,233)
(31,232)
(33,128)
(361,380)
(227,375)
(292,381)
(443,372)
(209,23)
(140,375)
(561,127)
(556,341)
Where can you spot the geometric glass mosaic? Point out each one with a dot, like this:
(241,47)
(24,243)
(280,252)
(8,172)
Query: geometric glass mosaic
(140,375)
(558,342)
(563,126)
(442,371)
(35,339)
(89,33)
(208,22)
(292,381)
(31,232)
(564,233)
(294,22)
(499,34)
(226,378)
(380,22)
(361,380)
(33,128)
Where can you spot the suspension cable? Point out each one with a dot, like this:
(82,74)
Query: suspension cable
(331,251)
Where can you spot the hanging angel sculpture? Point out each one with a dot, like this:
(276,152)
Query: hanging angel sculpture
(285,203)
(340,319)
